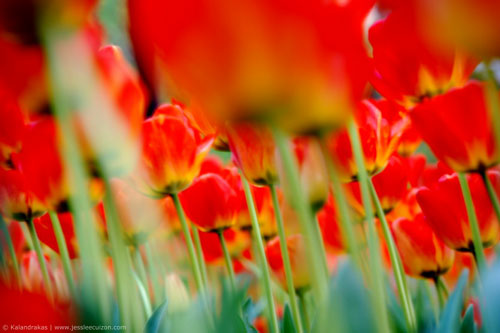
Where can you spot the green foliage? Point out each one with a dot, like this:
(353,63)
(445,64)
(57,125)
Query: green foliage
(287,325)
(468,324)
(450,317)
(154,322)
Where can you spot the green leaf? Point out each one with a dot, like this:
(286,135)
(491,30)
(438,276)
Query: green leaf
(250,312)
(287,325)
(154,322)
(490,299)
(468,324)
(396,312)
(450,317)
(426,307)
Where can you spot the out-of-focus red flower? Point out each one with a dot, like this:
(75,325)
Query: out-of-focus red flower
(472,24)
(22,72)
(21,19)
(12,129)
(379,140)
(15,305)
(415,166)
(298,261)
(406,208)
(423,254)
(17,236)
(253,64)
(330,228)
(464,140)
(313,172)
(16,197)
(210,202)
(172,218)
(407,65)
(253,152)
(391,185)
(172,152)
(43,166)
(46,234)
(444,209)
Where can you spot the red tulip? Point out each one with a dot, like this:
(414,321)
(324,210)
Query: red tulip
(313,172)
(44,169)
(407,65)
(16,197)
(391,185)
(444,209)
(172,152)
(237,242)
(12,129)
(330,228)
(423,254)
(210,203)
(379,140)
(17,236)
(253,152)
(463,139)
(298,261)
(47,236)
(244,48)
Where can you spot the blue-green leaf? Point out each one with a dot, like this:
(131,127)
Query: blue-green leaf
(450,317)
(287,325)
(154,322)
(468,324)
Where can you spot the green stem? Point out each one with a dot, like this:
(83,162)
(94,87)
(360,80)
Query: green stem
(347,230)
(397,265)
(439,293)
(227,258)
(195,266)
(378,294)
(119,254)
(304,310)
(158,294)
(443,286)
(63,251)
(41,259)
(299,202)
(141,269)
(266,278)
(12,251)
(144,295)
(201,257)
(474,225)
(286,259)
(493,101)
(492,194)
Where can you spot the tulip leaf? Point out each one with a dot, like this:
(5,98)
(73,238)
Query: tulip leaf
(287,325)
(450,317)
(154,322)
(250,313)
(468,324)
(230,317)
(426,307)
(397,316)
(490,299)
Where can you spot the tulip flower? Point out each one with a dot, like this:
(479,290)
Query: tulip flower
(379,140)
(313,172)
(237,242)
(172,152)
(12,128)
(210,203)
(253,65)
(391,186)
(17,200)
(422,252)
(464,140)
(408,66)
(298,261)
(253,152)
(46,234)
(330,228)
(44,170)
(445,212)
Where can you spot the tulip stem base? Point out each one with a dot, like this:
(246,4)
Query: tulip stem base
(477,250)
(41,259)
(12,251)
(195,265)
(63,251)
(259,246)
(286,260)
(439,292)
(377,281)
(492,194)
(227,258)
